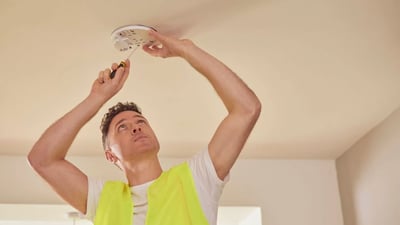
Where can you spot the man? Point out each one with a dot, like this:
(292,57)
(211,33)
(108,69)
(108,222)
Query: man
(187,193)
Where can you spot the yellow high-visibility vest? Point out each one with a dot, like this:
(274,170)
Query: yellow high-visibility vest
(172,200)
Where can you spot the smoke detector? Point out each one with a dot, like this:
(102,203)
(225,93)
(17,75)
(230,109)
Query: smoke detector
(131,36)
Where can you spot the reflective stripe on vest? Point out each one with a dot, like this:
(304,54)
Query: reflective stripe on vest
(172,200)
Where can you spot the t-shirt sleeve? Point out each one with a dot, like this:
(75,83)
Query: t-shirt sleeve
(94,190)
(209,186)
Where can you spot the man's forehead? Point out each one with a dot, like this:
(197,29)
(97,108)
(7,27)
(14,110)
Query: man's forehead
(126,115)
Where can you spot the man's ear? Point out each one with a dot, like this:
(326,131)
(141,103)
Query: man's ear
(110,156)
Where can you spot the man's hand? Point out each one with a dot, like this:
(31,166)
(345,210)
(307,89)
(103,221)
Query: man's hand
(166,46)
(104,87)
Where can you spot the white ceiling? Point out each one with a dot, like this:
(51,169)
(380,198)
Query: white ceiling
(326,71)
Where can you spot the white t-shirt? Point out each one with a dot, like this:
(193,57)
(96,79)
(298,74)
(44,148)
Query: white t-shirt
(209,189)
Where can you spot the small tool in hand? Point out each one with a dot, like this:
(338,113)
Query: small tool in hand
(122,63)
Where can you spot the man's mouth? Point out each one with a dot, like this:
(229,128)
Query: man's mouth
(139,137)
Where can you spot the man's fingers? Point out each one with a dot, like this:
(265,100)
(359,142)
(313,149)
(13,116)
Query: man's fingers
(154,50)
(125,75)
(148,48)
(106,75)
(100,77)
(127,64)
(154,34)
(121,75)
(118,73)
(114,66)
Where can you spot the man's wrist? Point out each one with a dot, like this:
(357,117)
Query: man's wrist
(188,47)
(95,100)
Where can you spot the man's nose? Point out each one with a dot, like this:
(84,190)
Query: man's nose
(138,129)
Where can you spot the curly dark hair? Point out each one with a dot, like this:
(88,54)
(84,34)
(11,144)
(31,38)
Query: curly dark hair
(112,112)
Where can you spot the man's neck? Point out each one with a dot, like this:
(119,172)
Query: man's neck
(143,171)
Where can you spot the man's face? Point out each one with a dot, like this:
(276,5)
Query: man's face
(130,136)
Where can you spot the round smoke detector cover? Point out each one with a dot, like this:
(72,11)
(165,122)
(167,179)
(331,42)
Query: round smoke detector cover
(127,37)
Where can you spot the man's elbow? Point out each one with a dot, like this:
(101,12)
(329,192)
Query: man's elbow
(252,110)
(255,108)
(35,160)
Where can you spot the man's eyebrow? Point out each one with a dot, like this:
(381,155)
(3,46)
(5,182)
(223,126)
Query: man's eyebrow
(120,121)
(123,119)
(138,115)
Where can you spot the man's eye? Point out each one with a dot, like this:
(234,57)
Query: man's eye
(141,121)
(122,127)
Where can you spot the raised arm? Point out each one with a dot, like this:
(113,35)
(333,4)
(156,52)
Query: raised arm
(241,103)
(47,156)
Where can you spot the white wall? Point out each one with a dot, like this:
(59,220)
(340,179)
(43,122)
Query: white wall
(369,176)
(301,192)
